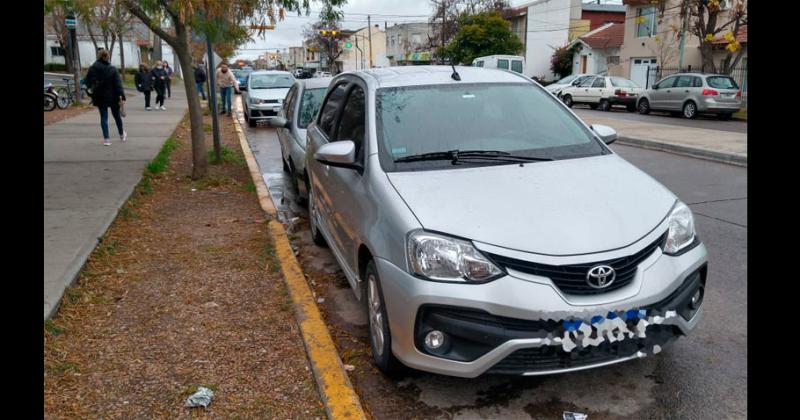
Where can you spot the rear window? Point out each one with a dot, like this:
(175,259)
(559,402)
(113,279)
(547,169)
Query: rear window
(722,82)
(516,65)
(620,82)
(502,64)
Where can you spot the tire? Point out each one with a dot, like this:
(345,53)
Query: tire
(725,117)
(49,103)
(593,106)
(568,100)
(380,337)
(644,107)
(62,102)
(252,123)
(605,105)
(690,110)
(316,235)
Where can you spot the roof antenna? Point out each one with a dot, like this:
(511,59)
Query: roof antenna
(455,75)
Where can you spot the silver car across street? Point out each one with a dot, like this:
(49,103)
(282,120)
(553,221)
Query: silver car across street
(486,229)
(299,108)
(263,94)
(692,94)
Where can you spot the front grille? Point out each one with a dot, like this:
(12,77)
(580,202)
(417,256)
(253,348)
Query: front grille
(571,279)
(553,357)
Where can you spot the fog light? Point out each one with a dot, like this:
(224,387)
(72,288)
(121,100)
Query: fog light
(434,339)
(695,302)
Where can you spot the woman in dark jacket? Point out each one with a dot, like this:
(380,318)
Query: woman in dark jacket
(106,89)
(144,84)
(159,78)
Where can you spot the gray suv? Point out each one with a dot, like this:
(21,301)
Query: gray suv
(487,229)
(692,94)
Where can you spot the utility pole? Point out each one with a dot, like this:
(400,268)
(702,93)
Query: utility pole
(71,23)
(683,33)
(212,93)
(369,24)
(444,26)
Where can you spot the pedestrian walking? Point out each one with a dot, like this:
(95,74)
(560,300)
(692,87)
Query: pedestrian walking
(144,84)
(159,76)
(226,82)
(105,85)
(168,80)
(200,78)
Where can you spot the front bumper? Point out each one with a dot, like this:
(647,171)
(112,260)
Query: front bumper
(263,111)
(538,340)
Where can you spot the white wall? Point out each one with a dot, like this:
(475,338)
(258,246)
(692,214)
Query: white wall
(89,53)
(597,61)
(548,29)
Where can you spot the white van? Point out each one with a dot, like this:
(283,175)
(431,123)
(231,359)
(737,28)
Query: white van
(507,62)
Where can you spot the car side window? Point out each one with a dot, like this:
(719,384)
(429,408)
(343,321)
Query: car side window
(288,104)
(697,82)
(502,64)
(327,116)
(667,83)
(353,124)
(684,81)
(599,82)
(587,82)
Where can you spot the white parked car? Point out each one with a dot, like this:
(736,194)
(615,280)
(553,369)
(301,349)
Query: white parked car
(603,92)
(571,80)
(514,63)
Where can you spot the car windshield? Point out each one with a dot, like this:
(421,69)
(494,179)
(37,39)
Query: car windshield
(309,105)
(567,80)
(514,118)
(620,82)
(722,82)
(271,81)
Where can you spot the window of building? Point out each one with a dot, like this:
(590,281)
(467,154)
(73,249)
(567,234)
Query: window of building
(57,51)
(646,22)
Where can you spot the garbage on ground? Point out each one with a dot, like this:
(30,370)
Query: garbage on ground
(201,398)
(349,368)
(320,300)
(569,415)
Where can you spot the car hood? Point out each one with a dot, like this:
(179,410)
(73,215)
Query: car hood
(277,93)
(554,87)
(563,207)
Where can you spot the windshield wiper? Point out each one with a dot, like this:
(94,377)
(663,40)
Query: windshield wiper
(458,155)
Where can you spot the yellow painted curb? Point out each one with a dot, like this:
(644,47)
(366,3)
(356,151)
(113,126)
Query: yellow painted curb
(341,400)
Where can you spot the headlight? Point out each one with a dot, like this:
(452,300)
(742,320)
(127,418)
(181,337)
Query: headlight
(441,258)
(681,229)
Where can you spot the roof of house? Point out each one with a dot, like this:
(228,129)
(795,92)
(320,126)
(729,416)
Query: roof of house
(741,37)
(593,7)
(609,35)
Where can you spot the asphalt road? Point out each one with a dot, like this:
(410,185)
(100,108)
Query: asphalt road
(698,377)
(709,122)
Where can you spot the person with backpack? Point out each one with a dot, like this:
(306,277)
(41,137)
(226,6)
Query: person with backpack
(200,78)
(144,84)
(168,80)
(105,88)
(159,76)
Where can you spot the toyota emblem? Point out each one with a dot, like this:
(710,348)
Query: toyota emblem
(601,276)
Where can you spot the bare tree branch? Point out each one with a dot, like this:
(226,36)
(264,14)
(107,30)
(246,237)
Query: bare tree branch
(154,26)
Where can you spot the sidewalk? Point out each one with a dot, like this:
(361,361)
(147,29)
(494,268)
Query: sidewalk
(85,183)
(716,145)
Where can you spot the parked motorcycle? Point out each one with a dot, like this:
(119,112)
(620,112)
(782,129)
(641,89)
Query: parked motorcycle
(50,97)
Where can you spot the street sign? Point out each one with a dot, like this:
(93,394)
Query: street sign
(71,22)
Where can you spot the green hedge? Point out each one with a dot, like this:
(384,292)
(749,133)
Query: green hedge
(55,67)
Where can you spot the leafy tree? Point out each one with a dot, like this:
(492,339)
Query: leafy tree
(561,62)
(222,21)
(449,11)
(709,21)
(482,34)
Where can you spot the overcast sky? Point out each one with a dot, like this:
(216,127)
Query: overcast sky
(289,32)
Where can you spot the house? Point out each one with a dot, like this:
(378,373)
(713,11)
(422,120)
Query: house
(597,48)
(359,55)
(296,58)
(518,18)
(650,42)
(407,44)
(601,14)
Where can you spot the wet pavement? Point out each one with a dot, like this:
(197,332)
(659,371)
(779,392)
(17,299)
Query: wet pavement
(697,377)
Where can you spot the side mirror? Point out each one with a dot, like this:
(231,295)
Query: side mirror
(278,122)
(339,154)
(243,88)
(606,133)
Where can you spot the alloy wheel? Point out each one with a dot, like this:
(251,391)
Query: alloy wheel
(375,315)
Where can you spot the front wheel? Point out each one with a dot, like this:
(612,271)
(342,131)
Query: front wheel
(568,101)
(644,107)
(380,337)
(49,103)
(252,123)
(605,105)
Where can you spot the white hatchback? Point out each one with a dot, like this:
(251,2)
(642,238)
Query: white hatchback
(603,92)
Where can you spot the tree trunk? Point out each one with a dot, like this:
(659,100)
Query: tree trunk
(184,53)
(121,56)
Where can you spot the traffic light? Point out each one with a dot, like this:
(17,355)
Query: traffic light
(323,32)
(332,33)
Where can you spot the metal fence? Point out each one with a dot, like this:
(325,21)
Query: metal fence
(654,74)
